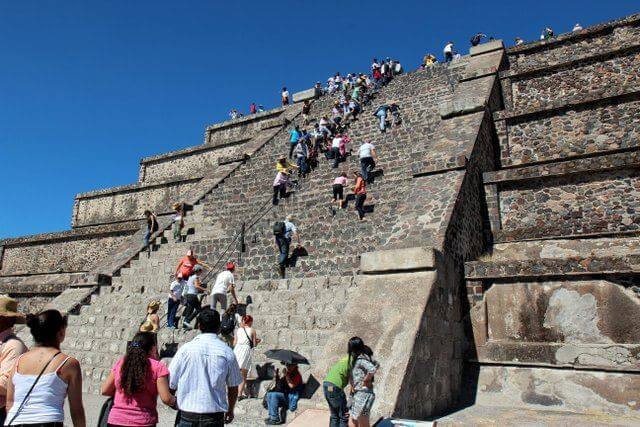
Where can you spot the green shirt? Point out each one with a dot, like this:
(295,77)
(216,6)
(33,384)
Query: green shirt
(338,375)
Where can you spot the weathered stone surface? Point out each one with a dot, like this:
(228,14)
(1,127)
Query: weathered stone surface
(304,95)
(193,162)
(397,260)
(560,324)
(70,252)
(129,202)
(550,389)
(588,42)
(614,72)
(487,47)
(392,336)
(566,248)
(244,127)
(575,204)
(586,129)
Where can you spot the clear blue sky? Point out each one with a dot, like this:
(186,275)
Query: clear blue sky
(89,87)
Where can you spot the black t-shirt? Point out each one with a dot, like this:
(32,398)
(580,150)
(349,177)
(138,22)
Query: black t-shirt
(152,223)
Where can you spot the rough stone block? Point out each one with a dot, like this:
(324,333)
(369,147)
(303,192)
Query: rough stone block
(397,260)
(486,47)
(304,95)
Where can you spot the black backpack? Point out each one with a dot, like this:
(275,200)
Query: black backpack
(227,325)
(279,228)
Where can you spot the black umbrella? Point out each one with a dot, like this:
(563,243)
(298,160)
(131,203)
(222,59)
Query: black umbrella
(286,356)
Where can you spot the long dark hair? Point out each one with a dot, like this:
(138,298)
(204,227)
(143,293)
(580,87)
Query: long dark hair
(356,347)
(136,365)
(45,326)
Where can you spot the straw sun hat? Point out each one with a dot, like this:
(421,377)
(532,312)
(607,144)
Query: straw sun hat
(9,308)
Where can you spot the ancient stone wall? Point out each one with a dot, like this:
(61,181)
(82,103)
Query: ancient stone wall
(245,127)
(548,295)
(580,130)
(591,41)
(612,73)
(58,252)
(193,162)
(129,202)
(592,195)
(579,204)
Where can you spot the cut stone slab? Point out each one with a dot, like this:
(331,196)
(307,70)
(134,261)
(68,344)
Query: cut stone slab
(486,47)
(304,95)
(397,260)
(311,418)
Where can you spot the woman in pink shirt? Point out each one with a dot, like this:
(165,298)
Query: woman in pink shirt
(338,190)
(135,382)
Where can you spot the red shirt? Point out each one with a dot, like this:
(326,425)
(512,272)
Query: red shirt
(186,266)
(360,186)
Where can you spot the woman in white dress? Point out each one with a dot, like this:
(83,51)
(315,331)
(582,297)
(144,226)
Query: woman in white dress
(243,343)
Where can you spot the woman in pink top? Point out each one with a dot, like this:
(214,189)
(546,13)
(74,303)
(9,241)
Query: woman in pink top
(338,190)
(135,382)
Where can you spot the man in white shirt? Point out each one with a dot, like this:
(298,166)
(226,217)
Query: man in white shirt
(367,153)
(205,374)
(285,96)
(335,150)
(225,283)
(448,52)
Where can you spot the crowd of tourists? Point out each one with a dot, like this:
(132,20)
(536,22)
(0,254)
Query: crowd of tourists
(203,382)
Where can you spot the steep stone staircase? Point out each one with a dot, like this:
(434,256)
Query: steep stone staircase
(322,232)
(299,312)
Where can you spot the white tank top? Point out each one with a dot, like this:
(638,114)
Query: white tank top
(45,404)
(243,338)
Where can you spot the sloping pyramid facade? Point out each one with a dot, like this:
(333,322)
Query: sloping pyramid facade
(495,268)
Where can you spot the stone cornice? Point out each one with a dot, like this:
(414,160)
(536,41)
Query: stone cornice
(532,268)
(573,36)
(246,119)
(516,74)
(604,95)
(135,187)
(620,160)
(192,150)
(89,232)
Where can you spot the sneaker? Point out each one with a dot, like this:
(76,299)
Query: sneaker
(270,422)
(186,326)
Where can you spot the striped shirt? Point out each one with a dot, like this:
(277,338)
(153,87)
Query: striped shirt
(201,371)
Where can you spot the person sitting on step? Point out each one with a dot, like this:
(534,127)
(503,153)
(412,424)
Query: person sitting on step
(284,395)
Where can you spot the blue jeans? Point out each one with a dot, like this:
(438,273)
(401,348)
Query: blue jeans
(382,115)
(292,146)
(201,420)
(277,400)
(336,156)
(366,165)
(147,237)
(172,309)
(302,165)
(337,401)
(283,247)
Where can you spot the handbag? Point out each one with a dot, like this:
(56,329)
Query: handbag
(26,396)
(104,412)
(251,345)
